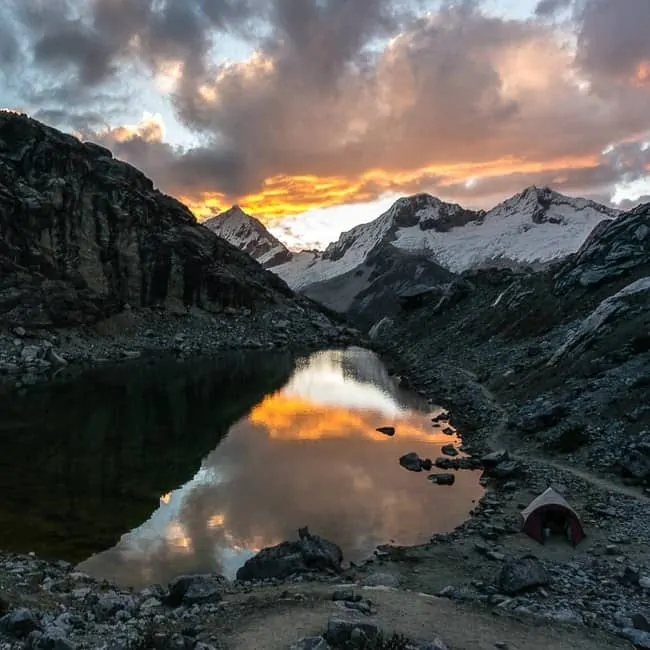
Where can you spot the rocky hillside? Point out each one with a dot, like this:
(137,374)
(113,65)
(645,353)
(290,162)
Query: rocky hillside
(380,284)
(83,235)
(536,227)
(249,235)
(567,351)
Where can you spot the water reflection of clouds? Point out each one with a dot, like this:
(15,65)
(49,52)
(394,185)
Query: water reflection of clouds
(295,462)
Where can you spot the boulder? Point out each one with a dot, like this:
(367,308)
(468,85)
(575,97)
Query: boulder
(639,638)
(449,450)
(196,589)
(493,459)
(411,461)
(636,464)
(19,623)
(341,629)
(442,479)
(504,470)
(521,575)
(110,604)
(309,553)
(50,639)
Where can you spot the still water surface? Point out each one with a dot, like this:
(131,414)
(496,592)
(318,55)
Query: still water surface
(260,460)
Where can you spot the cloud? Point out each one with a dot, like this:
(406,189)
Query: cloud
(613,39)
(315,118)
(551,7)
(94,39)
(341,102)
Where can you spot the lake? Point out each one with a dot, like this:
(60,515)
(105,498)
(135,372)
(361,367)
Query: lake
(148,471)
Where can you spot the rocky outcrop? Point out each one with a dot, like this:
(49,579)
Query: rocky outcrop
(616,249)
(380,285)
(83,236)
(309,553)
(631,301)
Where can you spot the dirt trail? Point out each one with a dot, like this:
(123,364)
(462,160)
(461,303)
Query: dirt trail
(418,616)
(495,441)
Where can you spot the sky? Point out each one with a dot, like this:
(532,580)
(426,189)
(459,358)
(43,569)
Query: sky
(313,115)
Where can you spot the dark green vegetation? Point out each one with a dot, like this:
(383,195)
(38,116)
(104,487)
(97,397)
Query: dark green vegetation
(82,463)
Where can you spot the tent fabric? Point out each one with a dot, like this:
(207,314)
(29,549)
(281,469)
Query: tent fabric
(551,504)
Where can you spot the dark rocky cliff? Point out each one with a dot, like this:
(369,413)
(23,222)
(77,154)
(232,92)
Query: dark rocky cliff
(83,235)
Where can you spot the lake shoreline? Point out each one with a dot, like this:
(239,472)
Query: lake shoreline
(38,356)
(475,554)
(462,566)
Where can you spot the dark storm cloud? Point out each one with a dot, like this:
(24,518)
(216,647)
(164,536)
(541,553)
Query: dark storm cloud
(613,37)
(95,39)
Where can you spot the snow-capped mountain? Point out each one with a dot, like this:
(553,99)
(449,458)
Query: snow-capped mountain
(250,235)
(537,226)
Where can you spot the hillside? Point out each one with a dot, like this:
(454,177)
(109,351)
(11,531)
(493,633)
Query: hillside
(97,264)
(82,235)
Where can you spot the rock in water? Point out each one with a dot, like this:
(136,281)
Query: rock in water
(449,450)
(309,553)
(83,235)
(442,479)
(411,461)
(521,575)
(387,431)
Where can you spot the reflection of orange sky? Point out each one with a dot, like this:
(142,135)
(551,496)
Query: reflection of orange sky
(283,196)
(287,417)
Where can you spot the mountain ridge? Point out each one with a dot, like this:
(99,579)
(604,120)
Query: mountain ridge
(536,227)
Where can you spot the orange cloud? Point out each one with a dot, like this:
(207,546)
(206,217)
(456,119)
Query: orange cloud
(642,74)
(283,196)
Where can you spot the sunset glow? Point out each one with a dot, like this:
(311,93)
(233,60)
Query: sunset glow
(291,418)
(344,103)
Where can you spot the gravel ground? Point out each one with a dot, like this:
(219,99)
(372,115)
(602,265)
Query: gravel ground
(28,357)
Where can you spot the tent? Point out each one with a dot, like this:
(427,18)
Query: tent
(551,510)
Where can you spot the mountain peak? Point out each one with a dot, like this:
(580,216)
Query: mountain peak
(250,235)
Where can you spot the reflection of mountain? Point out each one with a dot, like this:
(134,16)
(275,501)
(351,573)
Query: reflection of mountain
(82,463)
(297,461)
(345,377)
